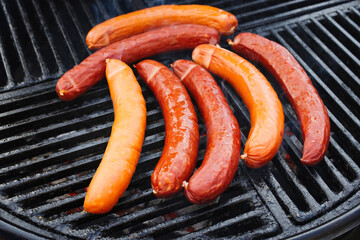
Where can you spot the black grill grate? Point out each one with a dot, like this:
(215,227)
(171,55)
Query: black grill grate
(49,149)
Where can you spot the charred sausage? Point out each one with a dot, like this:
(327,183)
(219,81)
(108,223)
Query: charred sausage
(133,23)
(127,135)
(223,134)
(266,112)
(178,158)
(302,95)
(90,71)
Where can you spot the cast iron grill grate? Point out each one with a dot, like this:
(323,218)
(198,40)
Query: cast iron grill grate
(49,149)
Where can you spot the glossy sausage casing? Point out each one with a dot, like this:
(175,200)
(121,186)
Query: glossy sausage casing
(124,147)
(133,23)
(302,95)
(179,155)
(266,112)
(223,134)
(90,71)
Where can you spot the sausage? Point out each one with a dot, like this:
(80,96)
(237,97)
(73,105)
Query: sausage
(90,71)
(179,155)
(223,134)
(266,112)
(133,23)
(302,95)
(127,135)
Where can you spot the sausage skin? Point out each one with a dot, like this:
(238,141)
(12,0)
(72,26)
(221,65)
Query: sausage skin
(179,155)
(266,112)
(127,135)
(90,71)
(133,23)
(223,134)
(302,95)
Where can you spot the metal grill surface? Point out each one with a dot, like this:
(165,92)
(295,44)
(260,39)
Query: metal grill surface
(49,149)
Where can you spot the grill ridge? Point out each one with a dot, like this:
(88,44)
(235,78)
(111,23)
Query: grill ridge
(54,52)
(350,58)
(34,43)
(18,46)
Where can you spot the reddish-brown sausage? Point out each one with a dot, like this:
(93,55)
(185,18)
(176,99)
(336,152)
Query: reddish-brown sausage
(302,95)
(223,134)
(178,158)
(90,71)
(143,20)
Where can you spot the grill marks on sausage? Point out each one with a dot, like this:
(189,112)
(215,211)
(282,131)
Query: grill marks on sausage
(179,155)
(223,134)
(143,20)
(124,146)
(90,71)
(266,113)
(302,95)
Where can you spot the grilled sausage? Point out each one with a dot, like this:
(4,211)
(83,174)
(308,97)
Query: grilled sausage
(223,134)
(302,95)
(127,135)
(133,23)
(266,112)
(178,158)
(90,71)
